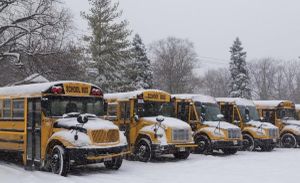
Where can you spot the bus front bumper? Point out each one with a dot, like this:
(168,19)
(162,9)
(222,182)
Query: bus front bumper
(232,144)
(92,155)
(266,142)
(171,148)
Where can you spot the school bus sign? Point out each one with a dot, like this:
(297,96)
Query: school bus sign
(78,89)
(156,96)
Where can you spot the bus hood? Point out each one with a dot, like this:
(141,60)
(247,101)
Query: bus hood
(92,124)
(169,122)
(223,125)
(259,124)
(291,122)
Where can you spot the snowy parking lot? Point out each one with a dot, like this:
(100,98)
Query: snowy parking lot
(281,165)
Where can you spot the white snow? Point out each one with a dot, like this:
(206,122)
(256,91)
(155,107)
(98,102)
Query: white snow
(223,124)
(278,166)
(30,89)
(197,98)
(264,125)
(92,124)
(297,106)
(269,103)
(237,101)
(170,122)
(129,95)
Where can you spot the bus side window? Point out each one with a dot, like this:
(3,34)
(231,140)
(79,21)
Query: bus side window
(125,110)
(236,116)
(1,109)
(7,109)
(269,116)
(226,110)
(112,111)
(18,109)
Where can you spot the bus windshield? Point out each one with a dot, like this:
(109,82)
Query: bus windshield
(208,112)
(286,113)
(149,109)
(57,106)
(249,113)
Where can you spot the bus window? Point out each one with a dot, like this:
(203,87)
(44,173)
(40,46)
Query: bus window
(1,108)
(18,109)
(125,110)
(7,109)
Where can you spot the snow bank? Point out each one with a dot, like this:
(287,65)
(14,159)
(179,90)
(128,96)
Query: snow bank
(197,98)
(30,89)
(129,95)
(237,101)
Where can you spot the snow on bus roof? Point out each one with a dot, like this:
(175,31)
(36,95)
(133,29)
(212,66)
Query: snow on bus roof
(197,98)
(30,89)
(131,94)
(237,101)
(269,103)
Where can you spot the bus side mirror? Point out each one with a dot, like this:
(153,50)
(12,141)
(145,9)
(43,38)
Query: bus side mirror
(82,119)
(262,118)
(220,116)
(136,118)
(160,119)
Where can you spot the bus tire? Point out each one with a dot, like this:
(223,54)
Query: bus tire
(59,160)
(204,144)
(229,151)
(249,144)
(288,140)
(143,150)
(182,155)
(114,164)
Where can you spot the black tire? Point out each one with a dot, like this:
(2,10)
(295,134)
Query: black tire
(229,151)
(249,144)
(182,155)
(59,161)
(143,150)
(204,145)
(288,140)
(114,164)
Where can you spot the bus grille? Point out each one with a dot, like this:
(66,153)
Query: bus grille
(104,136)
(181,135)
(273,132)
(234,133)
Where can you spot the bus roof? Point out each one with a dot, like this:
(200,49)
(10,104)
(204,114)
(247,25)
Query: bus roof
(270,103)
(32,89)
(237,101)
(197,98)
(131,95)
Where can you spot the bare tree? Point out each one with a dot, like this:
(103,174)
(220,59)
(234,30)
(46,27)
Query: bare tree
(173,63)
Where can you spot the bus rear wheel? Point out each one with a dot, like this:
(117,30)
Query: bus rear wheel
(248,142)
(59,161)
(182,155)
(288,140)
(143,150)
(114,163)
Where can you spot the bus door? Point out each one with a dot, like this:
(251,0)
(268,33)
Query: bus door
(33,149)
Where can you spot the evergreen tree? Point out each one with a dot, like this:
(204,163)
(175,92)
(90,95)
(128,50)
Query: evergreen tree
(139,70)
(240,81)
(109,45)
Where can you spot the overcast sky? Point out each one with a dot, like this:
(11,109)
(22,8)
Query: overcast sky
(267,28)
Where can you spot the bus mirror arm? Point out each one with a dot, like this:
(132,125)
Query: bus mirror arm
(136,117)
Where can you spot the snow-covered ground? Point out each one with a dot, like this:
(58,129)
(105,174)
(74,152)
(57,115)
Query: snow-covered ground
(281,165)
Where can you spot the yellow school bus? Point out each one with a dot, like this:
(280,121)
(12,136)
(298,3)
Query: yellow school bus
(256,134)
(282,114)
(146,118)
(202,113)
(55,125)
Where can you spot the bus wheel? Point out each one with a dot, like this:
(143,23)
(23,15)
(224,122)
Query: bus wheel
(114,164)
(288,140)
(248,143)
(229,151)
(182,155)
(204,144)
(143,150)
(59,161)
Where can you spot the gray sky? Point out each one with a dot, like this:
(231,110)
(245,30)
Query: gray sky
(267,28)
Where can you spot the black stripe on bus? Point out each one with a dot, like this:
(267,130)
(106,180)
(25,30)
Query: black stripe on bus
(10,130)
(12,141)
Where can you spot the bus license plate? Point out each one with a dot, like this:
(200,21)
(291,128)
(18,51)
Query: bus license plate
(181,149)
(235,142)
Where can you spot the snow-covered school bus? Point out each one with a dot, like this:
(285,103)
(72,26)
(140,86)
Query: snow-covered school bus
(203,114)
(256,134)
(282,114)
(56,125)
(145,116)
